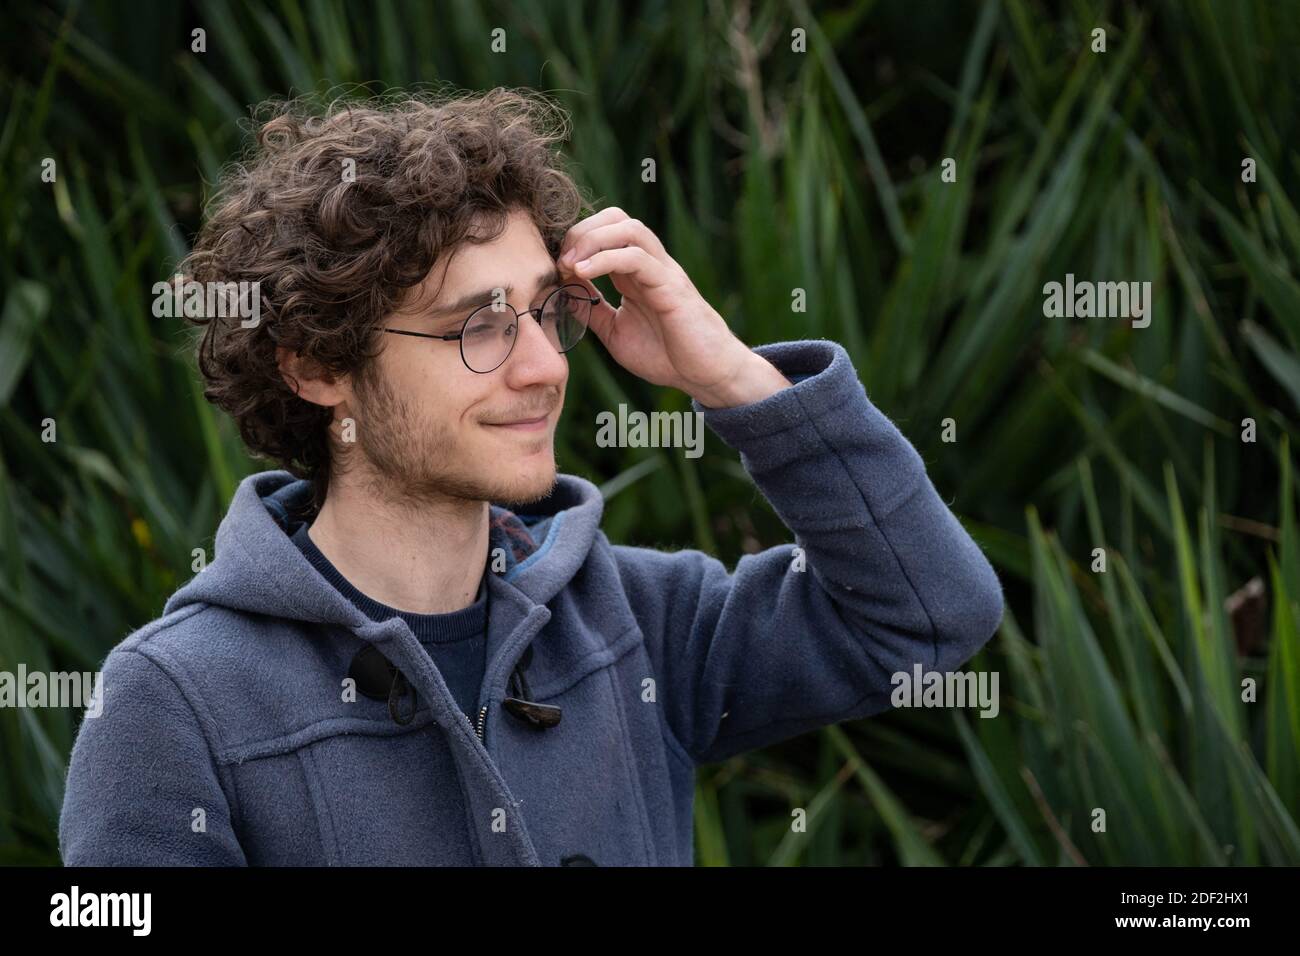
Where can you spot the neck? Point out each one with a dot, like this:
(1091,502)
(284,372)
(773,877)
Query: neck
(423,558)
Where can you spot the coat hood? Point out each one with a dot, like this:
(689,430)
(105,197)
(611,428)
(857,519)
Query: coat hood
(258,569)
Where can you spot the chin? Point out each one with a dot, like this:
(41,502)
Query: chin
(530,487)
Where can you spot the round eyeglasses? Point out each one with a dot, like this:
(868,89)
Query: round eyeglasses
(488,336)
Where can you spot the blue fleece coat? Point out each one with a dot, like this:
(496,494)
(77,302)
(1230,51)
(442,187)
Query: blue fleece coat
(227,735)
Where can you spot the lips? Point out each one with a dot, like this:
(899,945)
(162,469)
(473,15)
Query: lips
(523,423)
(522,419)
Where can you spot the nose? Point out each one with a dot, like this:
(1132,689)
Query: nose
(534,360)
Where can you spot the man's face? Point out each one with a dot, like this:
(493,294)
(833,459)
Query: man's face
(426,424)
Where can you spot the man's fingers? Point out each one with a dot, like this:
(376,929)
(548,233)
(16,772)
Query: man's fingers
(615,235)
(595,221)
(632,261)
(602,319)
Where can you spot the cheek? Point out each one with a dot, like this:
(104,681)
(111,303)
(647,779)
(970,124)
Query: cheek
(441,390)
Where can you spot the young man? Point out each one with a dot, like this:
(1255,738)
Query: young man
(385,664)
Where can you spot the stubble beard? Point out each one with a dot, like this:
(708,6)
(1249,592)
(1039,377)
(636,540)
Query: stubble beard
(411,460)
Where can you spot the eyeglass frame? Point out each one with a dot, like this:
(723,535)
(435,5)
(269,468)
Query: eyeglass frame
(536,313)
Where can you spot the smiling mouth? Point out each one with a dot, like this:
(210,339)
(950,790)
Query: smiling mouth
(524,424)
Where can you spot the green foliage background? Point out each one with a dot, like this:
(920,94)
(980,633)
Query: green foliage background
(776,170)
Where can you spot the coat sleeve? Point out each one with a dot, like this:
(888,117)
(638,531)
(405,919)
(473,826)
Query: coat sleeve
(884,577)
(139,771)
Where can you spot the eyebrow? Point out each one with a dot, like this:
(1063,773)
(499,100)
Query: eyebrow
(466,302)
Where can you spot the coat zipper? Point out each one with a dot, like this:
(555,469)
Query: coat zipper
(481,725)
(482,721)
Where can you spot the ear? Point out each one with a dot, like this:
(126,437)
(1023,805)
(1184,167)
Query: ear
(308,381)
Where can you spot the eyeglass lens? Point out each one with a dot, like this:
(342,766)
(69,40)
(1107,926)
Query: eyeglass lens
(490,333)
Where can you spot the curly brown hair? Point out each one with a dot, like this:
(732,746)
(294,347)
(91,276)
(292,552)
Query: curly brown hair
(334,256)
